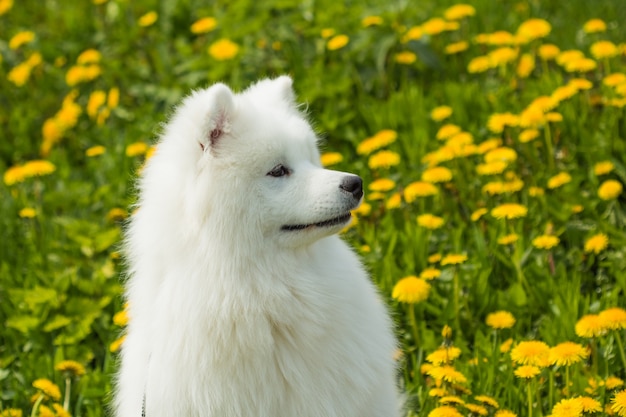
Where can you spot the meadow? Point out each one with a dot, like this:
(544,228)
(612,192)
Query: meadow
(490,135)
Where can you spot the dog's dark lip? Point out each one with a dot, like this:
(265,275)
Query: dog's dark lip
(326,223)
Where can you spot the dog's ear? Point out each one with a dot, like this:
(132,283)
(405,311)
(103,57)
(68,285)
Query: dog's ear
(221,111)
(284,87)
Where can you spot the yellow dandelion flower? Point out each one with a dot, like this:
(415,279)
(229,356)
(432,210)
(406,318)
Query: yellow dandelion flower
(440,113)
(9,412)
(117,344)
(498,121)
(447,373)
(406,57)
(21,38)
(447,131)
(444,411)
(223,49)
(500,320)
(534,29)
(545,241)
(411,290)
(70,367)
(5,6)
(506,345)
(204,25)
(568,407)
(569,55)
(444,355)
(476,409)
(48,388)
(383,159)
(434,258)
(45,411)
(502,56)
(525,66)
(614,79)
(419,189)
(491,168)
(368,21)
(581,65)
(558,180)
(430,274)
(532,352)
(113,98)
(337,42)
(509,211)
(456,47)
(505,413)
(116,214)
(435,392)
(477,214)
(430,221)
(59,411)
(597,243)
(613,382)
(459,11)
(121,318)
(508,239)
(589,326)
(589,405)
(568,353)
(610,190)
(604,49)
(394,201)
(327,32)
(97,99)
(618,403)
(446,332)
(136,149)
(381,139)
(453,259)
(148,19)
(527,371)
(330,158)
(27,213)
(434,26)
(613,318)
(436,175)
(548,52)
(527,135)
(20,74)
(382,184)
(89,56)
(594,26)
(451,399)
(413,34)
(485,399)
(479,64)
(363,210)
(38,168)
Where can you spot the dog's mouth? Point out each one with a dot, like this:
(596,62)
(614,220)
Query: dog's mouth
(326,223)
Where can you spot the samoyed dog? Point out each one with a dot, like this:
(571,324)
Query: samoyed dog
(243,301)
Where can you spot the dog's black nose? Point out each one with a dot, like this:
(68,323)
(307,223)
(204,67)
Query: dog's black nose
(353,185)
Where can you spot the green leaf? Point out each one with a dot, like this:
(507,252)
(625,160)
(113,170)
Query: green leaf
(23,324)
(56,322)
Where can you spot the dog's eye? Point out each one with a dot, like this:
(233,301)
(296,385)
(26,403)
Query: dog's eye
(278,171)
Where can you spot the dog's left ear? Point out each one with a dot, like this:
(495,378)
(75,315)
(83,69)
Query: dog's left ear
(221,110)
(284,87)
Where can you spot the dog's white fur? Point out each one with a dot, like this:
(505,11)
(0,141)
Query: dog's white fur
(230,314)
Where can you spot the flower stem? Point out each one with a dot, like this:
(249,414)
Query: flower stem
(37,404)
(529,391)
(549,149)
(414,325)
(621,348)
(68,388)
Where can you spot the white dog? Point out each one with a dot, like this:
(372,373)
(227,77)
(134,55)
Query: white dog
(243,300)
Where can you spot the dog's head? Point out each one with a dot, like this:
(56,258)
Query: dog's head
(249,163)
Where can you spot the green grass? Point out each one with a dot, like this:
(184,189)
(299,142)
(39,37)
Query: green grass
(60,271)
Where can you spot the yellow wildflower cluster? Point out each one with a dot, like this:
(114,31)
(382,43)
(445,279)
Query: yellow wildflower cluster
(20,74)
(55,127)
(87,68)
